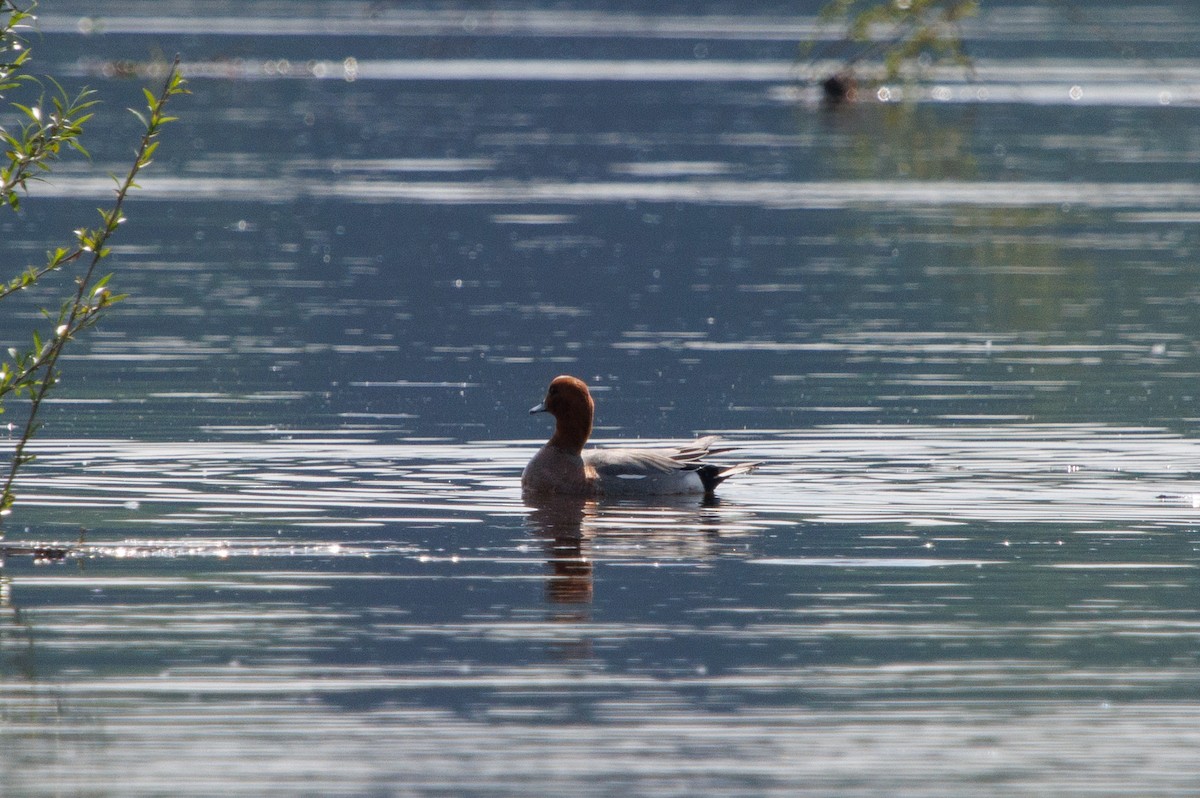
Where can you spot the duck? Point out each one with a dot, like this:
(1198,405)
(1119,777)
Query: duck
(562,466)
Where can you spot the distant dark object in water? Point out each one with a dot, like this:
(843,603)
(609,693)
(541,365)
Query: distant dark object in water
(840,88)
(40,554)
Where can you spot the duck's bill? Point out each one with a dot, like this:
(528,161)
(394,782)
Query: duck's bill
(540,407)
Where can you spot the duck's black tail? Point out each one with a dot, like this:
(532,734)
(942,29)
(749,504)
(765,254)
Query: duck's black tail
(713,475)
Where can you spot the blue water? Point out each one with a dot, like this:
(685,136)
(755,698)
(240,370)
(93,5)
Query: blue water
(282,476)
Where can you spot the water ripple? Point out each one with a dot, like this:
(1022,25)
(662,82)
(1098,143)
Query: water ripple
(841,474)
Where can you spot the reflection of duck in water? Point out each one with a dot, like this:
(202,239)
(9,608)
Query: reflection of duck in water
(558,520)
(562,467)
(627,529)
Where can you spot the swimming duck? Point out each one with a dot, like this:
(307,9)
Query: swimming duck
(562,467)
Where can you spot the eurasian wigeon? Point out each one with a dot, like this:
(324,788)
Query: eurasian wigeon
(562,467)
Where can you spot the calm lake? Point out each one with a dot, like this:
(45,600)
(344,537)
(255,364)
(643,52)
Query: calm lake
(957,322)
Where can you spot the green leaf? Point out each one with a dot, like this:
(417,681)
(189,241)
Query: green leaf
(79,148)
(33,113)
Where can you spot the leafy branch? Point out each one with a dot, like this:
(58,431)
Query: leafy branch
(13,52)
(48,128)
(34,373)
(28,152)
(41,139)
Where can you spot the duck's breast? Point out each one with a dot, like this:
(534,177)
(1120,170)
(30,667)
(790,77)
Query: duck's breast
(553,470)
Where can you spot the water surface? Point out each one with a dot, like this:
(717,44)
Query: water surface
(278,489)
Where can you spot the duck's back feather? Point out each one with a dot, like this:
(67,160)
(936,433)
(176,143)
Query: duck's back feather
(676,470)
